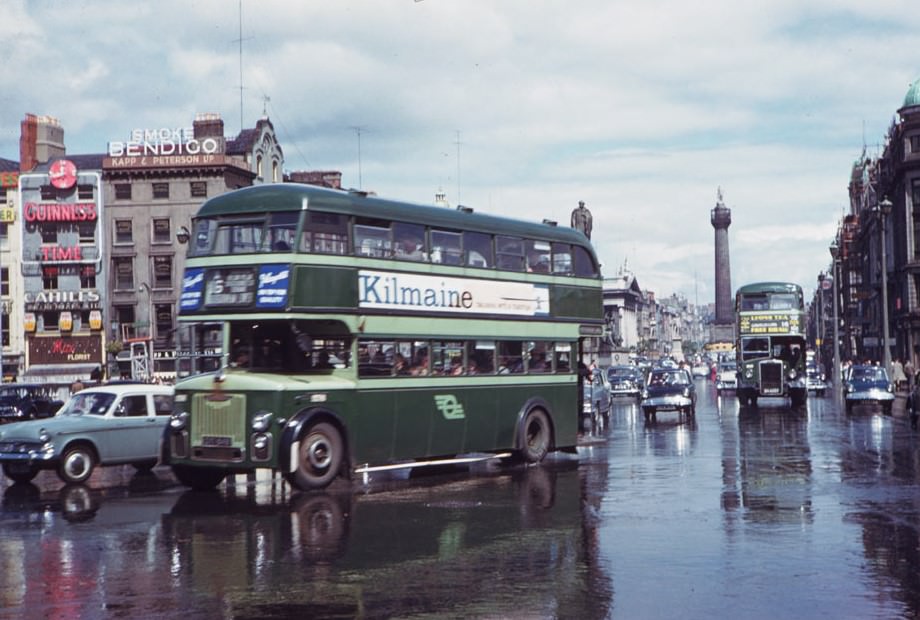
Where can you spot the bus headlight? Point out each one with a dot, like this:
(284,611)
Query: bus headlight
(178,421)
(261,421)
(748,373)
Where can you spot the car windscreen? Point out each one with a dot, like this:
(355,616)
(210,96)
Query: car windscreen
(91,403)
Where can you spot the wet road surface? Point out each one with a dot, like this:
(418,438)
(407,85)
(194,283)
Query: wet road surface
(752,513)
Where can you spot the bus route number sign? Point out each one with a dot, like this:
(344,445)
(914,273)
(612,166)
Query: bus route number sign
(230,287)
(769,324)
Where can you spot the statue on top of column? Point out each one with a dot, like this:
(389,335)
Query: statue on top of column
(581,219)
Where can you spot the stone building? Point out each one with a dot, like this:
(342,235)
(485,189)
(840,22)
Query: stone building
(102,258)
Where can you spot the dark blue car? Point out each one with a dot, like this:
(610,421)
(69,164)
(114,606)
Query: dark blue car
(866,384)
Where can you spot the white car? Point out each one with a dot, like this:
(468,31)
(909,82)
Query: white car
(726,376)
(104,425)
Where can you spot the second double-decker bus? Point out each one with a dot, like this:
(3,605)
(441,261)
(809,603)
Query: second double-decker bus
(326,333)
(770,332)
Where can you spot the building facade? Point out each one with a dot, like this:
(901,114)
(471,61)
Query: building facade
(95,243)
(878,241)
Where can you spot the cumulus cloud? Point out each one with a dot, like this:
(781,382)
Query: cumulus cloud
(642,109)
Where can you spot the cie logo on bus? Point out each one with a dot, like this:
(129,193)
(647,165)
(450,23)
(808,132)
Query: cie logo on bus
(449,406)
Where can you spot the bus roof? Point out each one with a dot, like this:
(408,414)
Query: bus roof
(769,287)
(296,197)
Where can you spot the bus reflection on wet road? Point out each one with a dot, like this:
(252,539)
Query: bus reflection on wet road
(760,512)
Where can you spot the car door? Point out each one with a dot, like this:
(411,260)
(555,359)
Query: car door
(136,433)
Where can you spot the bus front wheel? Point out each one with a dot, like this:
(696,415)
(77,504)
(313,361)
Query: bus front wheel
(537,436)
(319,457)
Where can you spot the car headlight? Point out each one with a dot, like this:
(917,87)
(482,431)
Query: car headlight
(44,436)
(890,388)
(686,392)
(792,373)
(644,393)
(261,421)
(178,421)
(748,373)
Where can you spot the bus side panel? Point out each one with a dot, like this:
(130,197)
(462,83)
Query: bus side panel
(372,426)
(482,411)
(324,287)
(575,301)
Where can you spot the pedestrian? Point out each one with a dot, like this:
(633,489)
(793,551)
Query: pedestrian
(76,386)
(909,371)
(897,374)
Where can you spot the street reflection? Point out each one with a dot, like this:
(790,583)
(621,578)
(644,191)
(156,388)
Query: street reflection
(521,542)
(501,545)
(880,463)
(766,466)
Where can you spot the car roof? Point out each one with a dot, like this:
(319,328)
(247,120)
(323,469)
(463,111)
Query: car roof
(129,388)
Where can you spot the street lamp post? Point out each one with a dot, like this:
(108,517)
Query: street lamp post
(885,210)
(835,251)
(819,319)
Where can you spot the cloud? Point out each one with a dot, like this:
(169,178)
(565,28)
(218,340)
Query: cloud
(642,109)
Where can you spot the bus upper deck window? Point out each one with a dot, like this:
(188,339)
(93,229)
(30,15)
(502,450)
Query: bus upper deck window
(373,241)
(478,249)
(445,247)
(562,258)
(510,253)
(409,241)
(584,264)
(325,233)
(281,231)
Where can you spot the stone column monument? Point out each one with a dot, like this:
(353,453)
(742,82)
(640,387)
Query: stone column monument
(723,328)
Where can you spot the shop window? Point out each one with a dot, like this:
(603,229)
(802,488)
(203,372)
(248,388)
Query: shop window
(50,320)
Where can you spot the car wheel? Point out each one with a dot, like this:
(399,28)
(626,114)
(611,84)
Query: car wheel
(319,457)
(536,436)
(19,472)
(77,464)
(198,478)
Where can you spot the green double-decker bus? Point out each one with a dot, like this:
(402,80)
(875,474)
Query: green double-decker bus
(770,330)
(326,333)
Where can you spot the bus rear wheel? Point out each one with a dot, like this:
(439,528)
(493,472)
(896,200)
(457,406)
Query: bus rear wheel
(537,436)
(319,457)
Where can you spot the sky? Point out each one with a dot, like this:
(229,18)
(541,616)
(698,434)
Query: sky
(643,109)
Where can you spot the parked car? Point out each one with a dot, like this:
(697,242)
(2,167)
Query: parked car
(625,381)
(27,401)
(868,385)
(669,389)
(726,376)
(815,380)
(105,425)
(596,397)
